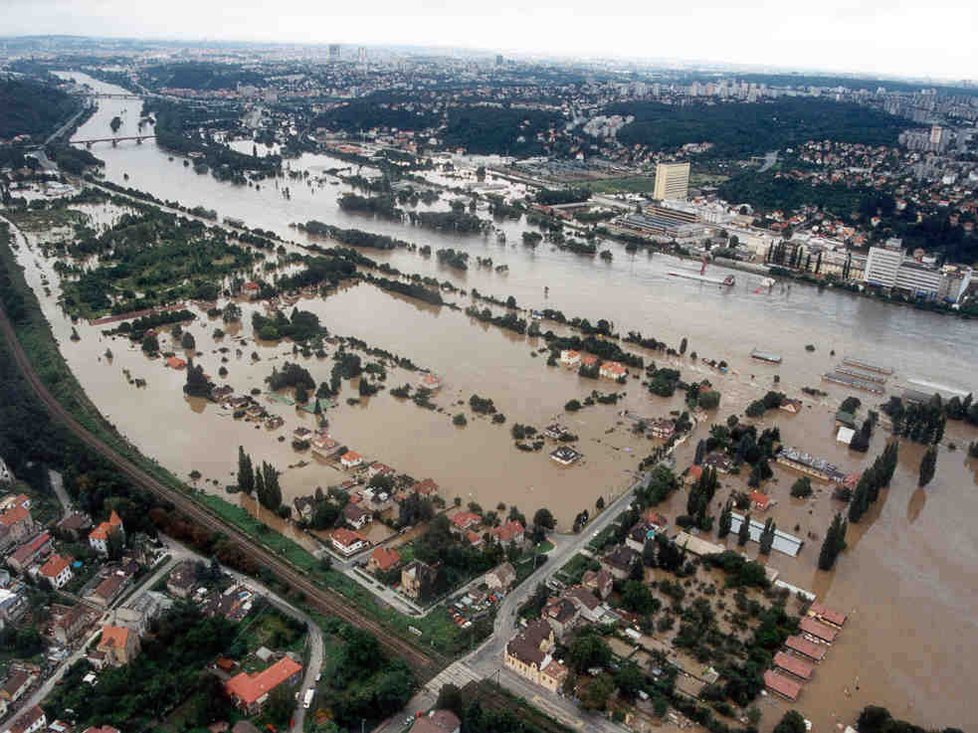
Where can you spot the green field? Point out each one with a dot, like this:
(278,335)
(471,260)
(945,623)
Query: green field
(628,184)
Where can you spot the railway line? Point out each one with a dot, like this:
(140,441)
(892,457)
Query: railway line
(327,601)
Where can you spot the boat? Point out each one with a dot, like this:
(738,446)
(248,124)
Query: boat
(766,356)
(727,281)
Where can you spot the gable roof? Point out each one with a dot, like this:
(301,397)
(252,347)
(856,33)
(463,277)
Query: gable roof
(102,531)
(347,537)
(12,516)
(509,531)
(249,688)
(114,636)
(385,559)
(54,566)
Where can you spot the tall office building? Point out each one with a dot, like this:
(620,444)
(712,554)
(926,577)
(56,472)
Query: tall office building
(671,181)
(334,52)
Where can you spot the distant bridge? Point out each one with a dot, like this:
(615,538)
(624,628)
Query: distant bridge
(100,95)
(114,140)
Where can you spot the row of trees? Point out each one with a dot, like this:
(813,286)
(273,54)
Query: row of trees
(876,477)
(262,482)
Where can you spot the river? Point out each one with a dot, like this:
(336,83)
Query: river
(909,578)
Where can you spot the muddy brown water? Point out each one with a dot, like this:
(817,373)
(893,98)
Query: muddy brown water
(908,579)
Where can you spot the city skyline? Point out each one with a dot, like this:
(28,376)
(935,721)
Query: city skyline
(898,40)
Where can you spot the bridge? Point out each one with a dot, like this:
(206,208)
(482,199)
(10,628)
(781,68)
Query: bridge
(101,95)
(114,140)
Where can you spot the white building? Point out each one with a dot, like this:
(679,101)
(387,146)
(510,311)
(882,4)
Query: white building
(883,264)
(671,181)
(888,267)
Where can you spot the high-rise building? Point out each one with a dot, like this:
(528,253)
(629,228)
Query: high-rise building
(499,59)
(883,264)
(671,181)
(334,52)
(362,55)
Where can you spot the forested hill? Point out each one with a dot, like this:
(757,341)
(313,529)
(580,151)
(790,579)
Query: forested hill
(740,130)
(32,108)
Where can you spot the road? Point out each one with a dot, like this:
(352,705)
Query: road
(58,486)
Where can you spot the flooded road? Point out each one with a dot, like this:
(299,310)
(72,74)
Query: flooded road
(910,576)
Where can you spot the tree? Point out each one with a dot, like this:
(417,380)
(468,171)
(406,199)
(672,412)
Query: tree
(450,698)
(792,722)
(682,346)
(150,344)
(588,650)
(767,536)
(197,384)
(802,488)
(187,341)
(743,534)
(834,543)
(599,504)
(597,692)
(928,466)
(544,518)
(629,680)
(246,473)
(272,498)
(636,597)
(700,453)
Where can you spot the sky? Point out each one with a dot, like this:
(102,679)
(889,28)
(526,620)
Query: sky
(874,37)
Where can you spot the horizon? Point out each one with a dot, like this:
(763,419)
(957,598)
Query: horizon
(876,41)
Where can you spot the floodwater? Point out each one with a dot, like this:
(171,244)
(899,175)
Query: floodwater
(909,578)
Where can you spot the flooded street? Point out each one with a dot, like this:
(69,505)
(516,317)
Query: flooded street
(909,579)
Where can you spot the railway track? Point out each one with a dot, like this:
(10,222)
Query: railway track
(321,599)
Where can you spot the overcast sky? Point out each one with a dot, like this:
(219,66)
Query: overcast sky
(887,37)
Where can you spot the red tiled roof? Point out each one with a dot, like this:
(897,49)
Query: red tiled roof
(803,646)
(465,519)
(102,531)
(782,685)
(347,537)
(385,559)
(818,629)
(249,688)
(428,486)
(114,636)
(823,613)
(55,566)
(760,499)
(175,362)
(351,456)
(795,665)
(508,532)
(12,516)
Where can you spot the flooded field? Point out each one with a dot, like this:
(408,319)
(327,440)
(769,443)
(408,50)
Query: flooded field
(910,576)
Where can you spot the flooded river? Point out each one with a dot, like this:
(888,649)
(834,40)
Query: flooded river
(910,576)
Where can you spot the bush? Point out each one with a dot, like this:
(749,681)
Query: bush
(802,488)
(572,406)
(459,419)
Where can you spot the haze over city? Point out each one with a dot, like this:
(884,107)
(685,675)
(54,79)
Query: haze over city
(903,38)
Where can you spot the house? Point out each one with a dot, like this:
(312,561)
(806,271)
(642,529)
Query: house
(109,589)
(13,604)
(16,685)
(379,469)
(790,405)
(302,434)
(501,577)
(98,538)
(570,358)
(35,549)
(588,605)
(16,525)
(250,692)
(827,615)
(781,685)
(511,531)
(760,501)
(57,571)
(383,560)
(437,721)
(565,455)
(613,370)
(250,290)
(462,521)
(175,362)
(418,579)
(347,542)
(356,516)
(599,582)
(845,419)
(473,538)
(31,721)
(70,625)
(589,361)
(529,655)
(182,579)
(325,446)
(429,381)
(561,614)
(662,428)
(140,610)
(351,459)
(427,487)
(75,525)
(119,644)
(620,561)
(719,462)
(9,502)
(641,533)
